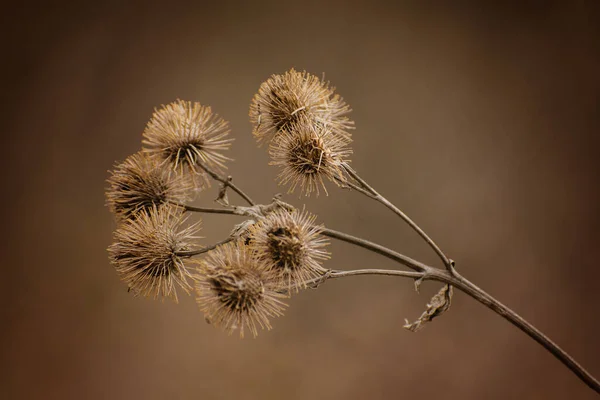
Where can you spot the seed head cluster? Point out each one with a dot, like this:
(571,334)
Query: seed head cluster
(306,126)
(146,250)
(308,153)
(283,99)
(140,183)
(236,290)
(187,135)
(239,285)
(291,245)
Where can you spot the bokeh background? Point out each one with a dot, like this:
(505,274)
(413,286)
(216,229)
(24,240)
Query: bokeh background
(481,122)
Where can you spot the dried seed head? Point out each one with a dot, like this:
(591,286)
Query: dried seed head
(291,244)
(307,153)
(236,291)
(146,252)
(283,99)
(140,183)
(185,135)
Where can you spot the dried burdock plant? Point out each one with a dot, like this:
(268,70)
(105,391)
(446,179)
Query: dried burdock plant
(140,183)
(149,251)
(291,245)
(308,153)
(240,281)
(187,135)
(236,290)
(284,99)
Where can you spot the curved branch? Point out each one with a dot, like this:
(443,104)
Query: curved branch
(227,181)
(490,302)
(377,248)
(378,197)
(192,253)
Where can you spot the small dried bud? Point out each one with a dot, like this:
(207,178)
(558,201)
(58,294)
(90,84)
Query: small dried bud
(140,183)
(283,99)
(291,245)
(146,252)
(307,153)
(185,135)
(236,291)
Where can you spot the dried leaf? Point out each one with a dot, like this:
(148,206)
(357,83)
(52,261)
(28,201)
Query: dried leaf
(222,198)
(438,304)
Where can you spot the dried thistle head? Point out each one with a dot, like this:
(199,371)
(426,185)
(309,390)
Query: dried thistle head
(291,245)
(283,99)
(140,183)
(186,135)
(237,291)
(146,251)
(307,153)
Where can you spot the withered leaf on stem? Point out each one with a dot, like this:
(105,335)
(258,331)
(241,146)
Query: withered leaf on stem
(439,303)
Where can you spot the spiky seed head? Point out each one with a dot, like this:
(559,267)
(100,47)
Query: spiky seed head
(307,153)
(186,135)
(140,183)
(146,251)
(283,99)
(237,291)
(291,244)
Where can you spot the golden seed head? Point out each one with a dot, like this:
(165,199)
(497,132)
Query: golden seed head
(140,183)
(237,291)
(308,153)
(186,135)
(146,251)
(291,245)
(283,99)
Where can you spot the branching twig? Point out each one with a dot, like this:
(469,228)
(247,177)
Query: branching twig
(227,181)
(192,253)
(378,197)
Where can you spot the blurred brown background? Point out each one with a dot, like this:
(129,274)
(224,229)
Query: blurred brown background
(482,123)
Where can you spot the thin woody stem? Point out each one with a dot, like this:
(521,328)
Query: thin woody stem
(377,248)
(227,181)
(377,196)
(484,298)
(505,312)
(192,253)
(207,210)
(425,272)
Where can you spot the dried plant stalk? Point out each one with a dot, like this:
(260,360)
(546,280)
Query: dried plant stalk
(241,280)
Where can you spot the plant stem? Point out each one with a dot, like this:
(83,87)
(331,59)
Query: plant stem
(378,197)
(425,272)
(387,272)
(227,181)
(490,302)
(192,253)
(484,298)
(377,248)
(207,210)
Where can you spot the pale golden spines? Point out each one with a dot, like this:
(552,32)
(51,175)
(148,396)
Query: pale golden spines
(146,252)
(236,291)
(186,135)
(140,183)
(291,245)
(308,153)
(283,99)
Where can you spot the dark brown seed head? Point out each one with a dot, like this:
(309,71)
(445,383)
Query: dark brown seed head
(146,251)
(283,99)
(187,135)
(140,183)
(237,291)
(291,244)
(307,154)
